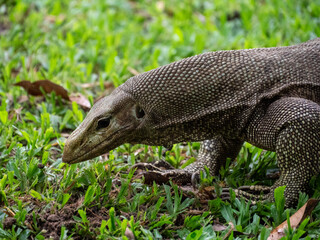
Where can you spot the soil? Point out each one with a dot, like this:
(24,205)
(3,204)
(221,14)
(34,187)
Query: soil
(51,221)
(8,222)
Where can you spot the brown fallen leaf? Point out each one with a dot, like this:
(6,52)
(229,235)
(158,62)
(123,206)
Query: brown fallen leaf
(53,19)
(230,230)
(107,85)
(295,219)
(9,212)
(195,212)
(80,100)
(133,71)
(129,234)
(207,193)
(54,144)
(219,227)
(23,98)
(69,187)
(160,5)
(33,88)
(65,134)
(15,113)
(138,151)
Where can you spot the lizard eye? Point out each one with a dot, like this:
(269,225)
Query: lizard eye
(139,112)
(103,123)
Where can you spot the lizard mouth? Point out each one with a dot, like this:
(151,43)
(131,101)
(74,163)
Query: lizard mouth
(95,150)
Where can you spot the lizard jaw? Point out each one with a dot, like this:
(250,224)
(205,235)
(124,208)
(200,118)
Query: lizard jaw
(92,153)
(100,148)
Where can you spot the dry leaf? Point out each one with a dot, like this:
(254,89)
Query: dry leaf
(23,98)
(15,112)
(139,150)
(53,18)
(80,100)
(106,85)
(129,234)
(160,5)
(33,88)
(88,85)
(9,212)
(64,134)
(133,71)
(219,227)
(295,219)
(195,212)
(55,144)
(69,187)
(230,231)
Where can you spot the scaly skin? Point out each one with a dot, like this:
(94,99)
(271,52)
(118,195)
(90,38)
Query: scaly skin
(269,97)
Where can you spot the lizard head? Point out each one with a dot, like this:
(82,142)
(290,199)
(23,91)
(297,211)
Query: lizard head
(111,122)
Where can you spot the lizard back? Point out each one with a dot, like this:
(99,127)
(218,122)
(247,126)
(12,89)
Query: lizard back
(234,81)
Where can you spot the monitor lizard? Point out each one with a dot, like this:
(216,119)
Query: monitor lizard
(269,97)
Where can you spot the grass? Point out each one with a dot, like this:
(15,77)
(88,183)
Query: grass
(73,42)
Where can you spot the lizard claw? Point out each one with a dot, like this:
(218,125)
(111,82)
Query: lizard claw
(155,176)
(157,166)
(177,176)
(249,193)
(162,172)
(195,179)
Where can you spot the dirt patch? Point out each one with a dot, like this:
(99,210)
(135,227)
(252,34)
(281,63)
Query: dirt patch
(9,222)
(51,221)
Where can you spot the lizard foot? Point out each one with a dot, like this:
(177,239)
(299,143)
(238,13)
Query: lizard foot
(179,177)
(249,193)
(157,166)
(254,193)
(162,172)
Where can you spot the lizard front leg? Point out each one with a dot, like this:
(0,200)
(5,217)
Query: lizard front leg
(213,154)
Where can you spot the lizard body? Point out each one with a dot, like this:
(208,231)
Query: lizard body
(269,97)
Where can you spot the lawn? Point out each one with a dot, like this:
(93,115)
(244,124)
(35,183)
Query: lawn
(90,48)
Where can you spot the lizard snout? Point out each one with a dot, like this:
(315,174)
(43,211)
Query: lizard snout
(72,145)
